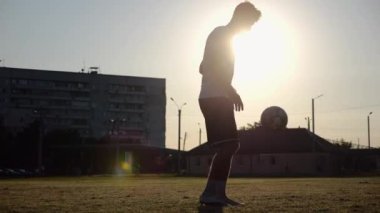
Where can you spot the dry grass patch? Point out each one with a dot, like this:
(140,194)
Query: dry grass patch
(180,194)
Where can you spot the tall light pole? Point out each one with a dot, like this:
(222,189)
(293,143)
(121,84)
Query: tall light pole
(312,111)
(369,135)
(179,132)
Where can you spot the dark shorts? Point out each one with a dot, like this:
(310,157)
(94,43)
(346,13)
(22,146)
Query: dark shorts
(220,120)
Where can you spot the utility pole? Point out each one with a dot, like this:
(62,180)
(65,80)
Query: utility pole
(179,133)
(179,141)
(312,111)
(369,133)
(358,143)
(184,141)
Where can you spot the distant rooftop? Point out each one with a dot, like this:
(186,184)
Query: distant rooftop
(80,72)
(264,140)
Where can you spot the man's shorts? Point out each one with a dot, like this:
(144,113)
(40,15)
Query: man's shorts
(220,120)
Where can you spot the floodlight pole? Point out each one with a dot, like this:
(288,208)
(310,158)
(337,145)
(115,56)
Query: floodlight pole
(179,132)
(369,134)
(312,111)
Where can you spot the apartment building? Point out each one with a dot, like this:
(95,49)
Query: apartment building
(125,108)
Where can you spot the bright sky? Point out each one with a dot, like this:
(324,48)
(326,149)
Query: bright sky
(297,51)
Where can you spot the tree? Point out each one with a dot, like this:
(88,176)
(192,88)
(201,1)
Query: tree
(250,126)
(343,144)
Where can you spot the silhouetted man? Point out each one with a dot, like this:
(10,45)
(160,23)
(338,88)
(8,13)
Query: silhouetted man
(218,99)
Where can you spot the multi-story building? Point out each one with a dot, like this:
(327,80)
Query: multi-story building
(129,109)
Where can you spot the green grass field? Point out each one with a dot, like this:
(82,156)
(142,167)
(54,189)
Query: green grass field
(180,194)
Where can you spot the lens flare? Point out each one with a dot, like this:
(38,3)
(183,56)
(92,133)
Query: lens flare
(126,167)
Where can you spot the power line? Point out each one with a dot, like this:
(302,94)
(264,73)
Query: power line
(352,108)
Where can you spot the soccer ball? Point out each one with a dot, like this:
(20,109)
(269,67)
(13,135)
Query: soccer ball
(274,117)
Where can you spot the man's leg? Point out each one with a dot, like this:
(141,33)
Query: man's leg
(219,172)
(221,164)
(221,133)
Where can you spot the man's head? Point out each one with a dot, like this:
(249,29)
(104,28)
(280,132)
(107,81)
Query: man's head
(245,15)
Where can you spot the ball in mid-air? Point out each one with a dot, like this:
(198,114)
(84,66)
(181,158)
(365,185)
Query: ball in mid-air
(274,117)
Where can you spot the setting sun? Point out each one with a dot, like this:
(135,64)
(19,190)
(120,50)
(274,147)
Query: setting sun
(263,57)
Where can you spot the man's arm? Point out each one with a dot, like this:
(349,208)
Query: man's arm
(231,92)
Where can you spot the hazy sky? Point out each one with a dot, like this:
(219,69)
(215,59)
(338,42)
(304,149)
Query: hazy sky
(298,50)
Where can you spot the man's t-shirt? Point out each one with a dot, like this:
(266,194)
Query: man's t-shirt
(217,67)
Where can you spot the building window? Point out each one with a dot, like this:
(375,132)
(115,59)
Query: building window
(22,101)
(81,85)
(79,122)
(19,91)
(61,84)
(80,103)
(23,82)
(79,94)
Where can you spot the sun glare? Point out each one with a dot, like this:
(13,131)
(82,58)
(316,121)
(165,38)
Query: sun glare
(263,58)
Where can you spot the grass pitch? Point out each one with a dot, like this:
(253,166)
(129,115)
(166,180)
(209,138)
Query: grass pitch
(180,194)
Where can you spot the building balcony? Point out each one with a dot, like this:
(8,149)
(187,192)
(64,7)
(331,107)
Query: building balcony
(125,110)
(38,106)
(125,92)
(50,88)
(125,101)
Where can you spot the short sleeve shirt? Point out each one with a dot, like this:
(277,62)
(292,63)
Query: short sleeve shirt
(218,59)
